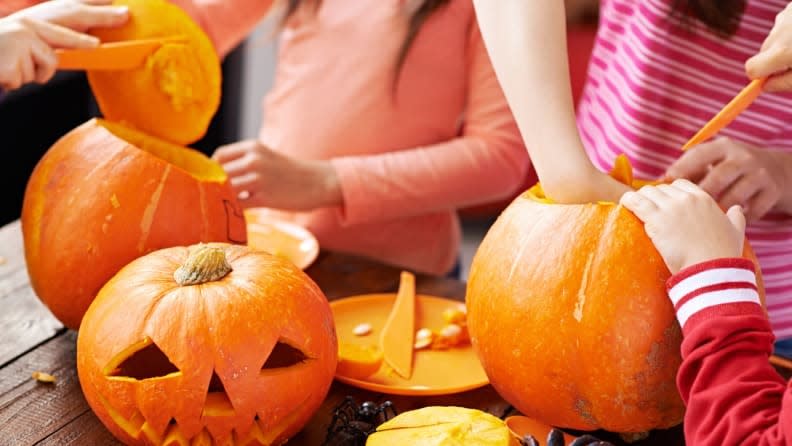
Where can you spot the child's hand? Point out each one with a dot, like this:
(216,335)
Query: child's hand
(263,177)
(26,53)
(737,173)
(686,225)
(77,15)
(28,38)
(775,57)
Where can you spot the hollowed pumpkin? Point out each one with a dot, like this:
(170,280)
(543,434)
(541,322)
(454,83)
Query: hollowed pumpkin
(176,93)
(569,314)
(211,344)
(104,195)
(114,189)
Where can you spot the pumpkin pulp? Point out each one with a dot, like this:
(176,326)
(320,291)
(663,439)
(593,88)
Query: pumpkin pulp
(190,161)
(175,94)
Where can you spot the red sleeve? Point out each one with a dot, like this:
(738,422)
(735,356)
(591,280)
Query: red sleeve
(733,395)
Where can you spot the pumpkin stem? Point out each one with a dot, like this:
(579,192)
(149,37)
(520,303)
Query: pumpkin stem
(204,264)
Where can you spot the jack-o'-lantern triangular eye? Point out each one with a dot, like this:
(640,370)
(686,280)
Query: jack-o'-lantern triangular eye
(284,355)
(216,385)
(143,360)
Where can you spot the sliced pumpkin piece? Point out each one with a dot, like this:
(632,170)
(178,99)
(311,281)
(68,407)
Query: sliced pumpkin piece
(443,425)
(358,361)
(175,94)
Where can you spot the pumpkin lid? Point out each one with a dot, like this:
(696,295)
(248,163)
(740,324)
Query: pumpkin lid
(175,94)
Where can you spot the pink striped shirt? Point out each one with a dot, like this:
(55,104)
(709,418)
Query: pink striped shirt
(654,81)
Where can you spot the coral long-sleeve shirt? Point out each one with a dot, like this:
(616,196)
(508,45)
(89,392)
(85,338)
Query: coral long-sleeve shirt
(733,395)
(406,160)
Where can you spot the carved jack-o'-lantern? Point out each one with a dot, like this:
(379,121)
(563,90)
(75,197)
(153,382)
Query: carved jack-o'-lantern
(212,344)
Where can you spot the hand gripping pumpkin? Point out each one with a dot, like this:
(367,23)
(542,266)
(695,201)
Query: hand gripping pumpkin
(211,344)
(105,193)
(569,314)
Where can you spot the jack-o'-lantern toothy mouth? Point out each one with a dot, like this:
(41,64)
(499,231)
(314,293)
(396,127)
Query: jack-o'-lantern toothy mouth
(259,435)
(145,361)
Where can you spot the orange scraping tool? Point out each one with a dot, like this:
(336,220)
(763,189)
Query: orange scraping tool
(125,55)
(397,337)
(728,113)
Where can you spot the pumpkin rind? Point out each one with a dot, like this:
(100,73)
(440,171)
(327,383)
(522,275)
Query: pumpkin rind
(96,201)
(443,425)
(569,314)
(358,361)
(226,327)
(177,92)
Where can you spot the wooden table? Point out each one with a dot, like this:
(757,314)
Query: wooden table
(31,339)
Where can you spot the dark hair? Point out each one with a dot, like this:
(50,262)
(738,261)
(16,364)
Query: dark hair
(721,16)
(418,18)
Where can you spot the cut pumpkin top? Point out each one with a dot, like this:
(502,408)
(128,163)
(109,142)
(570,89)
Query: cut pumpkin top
(175,94)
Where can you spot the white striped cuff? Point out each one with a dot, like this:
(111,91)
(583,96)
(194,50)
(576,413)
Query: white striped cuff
(710,284)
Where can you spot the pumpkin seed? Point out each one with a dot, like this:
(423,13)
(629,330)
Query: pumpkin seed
(43,377)
(362,329)
(451,331)
(422,343)
(424,333)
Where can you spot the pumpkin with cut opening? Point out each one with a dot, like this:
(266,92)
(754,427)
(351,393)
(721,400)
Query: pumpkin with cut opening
(207,344)
(108,191)
(569,314)
(104,195)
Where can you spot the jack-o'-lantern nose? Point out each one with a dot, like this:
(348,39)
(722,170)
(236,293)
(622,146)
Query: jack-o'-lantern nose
(283,357)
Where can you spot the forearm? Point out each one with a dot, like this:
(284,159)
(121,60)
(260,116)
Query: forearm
(732,393)
(526,41)
(446,176)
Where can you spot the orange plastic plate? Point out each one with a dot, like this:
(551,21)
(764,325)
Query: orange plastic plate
(435,372)
(281,238)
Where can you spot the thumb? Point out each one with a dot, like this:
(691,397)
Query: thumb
(768,62)
(737,219)
(779,82)
(57,36)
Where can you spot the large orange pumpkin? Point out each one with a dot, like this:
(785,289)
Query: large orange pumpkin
(569,314)
(208,344)
(109,191)
(104,195)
